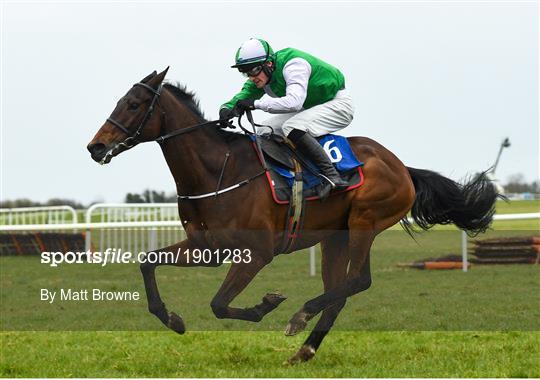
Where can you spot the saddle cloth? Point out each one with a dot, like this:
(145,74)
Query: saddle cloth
(281,176)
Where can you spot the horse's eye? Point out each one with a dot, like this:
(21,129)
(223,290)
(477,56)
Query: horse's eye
(133,106)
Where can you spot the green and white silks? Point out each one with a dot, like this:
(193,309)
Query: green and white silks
(299,83)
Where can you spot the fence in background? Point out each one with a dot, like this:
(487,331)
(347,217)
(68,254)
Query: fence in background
(140,233)
(50,215)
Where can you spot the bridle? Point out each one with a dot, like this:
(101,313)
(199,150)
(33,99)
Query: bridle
(134,137)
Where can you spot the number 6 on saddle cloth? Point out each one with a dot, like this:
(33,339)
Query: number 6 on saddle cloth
(279,158)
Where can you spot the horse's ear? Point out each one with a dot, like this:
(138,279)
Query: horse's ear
(162,75)
(156,79)
(148,77)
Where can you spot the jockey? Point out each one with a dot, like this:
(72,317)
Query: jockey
(307,95)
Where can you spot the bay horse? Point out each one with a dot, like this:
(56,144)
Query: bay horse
(239,212)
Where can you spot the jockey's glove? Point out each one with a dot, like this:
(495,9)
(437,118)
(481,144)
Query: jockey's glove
(226,114)
(243,105)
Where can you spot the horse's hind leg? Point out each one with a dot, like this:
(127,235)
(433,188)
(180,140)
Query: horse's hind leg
(358,280)
(334,272)
(148,269)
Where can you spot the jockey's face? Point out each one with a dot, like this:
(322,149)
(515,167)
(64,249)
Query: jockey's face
(261,79)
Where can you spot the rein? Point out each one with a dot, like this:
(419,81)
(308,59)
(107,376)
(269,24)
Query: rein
(179,132)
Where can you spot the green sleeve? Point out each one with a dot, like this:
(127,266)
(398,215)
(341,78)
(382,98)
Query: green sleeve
(249,91)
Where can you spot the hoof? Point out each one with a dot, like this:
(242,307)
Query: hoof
(303,355)
(176,323)
(274,299)
(297,323)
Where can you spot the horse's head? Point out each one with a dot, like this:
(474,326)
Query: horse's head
(134,120)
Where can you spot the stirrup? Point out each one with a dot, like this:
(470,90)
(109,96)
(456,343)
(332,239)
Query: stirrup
(335,186)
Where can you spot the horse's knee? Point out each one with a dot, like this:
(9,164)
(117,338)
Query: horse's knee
(219,308)
(360,284)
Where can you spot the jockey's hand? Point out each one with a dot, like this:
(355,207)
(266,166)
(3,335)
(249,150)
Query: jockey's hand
(225,115)
(244,105)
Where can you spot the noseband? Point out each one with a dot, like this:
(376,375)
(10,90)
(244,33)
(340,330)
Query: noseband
(133,138)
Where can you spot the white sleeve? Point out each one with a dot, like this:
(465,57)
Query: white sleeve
(296,74)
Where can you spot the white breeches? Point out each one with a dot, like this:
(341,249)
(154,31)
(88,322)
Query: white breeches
(320,120)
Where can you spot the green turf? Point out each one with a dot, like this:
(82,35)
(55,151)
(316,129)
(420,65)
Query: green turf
(517,206)
(261,354)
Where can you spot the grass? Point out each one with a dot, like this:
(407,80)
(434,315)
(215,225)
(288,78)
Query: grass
(411,323)
(518,207)
(261,354)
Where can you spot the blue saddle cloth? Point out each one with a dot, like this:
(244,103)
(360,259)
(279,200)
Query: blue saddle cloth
(340,153)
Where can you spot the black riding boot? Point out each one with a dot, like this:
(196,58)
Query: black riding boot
(309,146)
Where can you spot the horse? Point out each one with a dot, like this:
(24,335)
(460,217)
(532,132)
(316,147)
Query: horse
(240,212)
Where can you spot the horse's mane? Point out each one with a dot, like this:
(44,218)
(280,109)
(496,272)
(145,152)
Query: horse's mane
(188,98)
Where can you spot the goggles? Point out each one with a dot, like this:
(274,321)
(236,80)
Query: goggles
(253,72)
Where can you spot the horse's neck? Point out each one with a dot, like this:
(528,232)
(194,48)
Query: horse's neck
(194,159)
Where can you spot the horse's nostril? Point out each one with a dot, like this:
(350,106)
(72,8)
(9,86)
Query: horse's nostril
(96,149)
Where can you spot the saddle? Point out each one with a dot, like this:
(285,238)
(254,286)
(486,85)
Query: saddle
(286,164)
(294,179)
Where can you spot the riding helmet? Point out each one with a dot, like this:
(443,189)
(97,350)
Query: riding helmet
(254,51)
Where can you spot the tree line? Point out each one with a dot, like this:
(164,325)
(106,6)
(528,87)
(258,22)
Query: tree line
(24,202)
(517,184)
(147,196)
(150,196)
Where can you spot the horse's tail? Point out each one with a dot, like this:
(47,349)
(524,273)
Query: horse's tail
(439,200)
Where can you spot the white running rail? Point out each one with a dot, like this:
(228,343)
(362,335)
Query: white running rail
(143,232)
(43,216)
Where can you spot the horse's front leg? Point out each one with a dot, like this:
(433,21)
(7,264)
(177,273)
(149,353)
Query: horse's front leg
(175,255)
(238,277)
